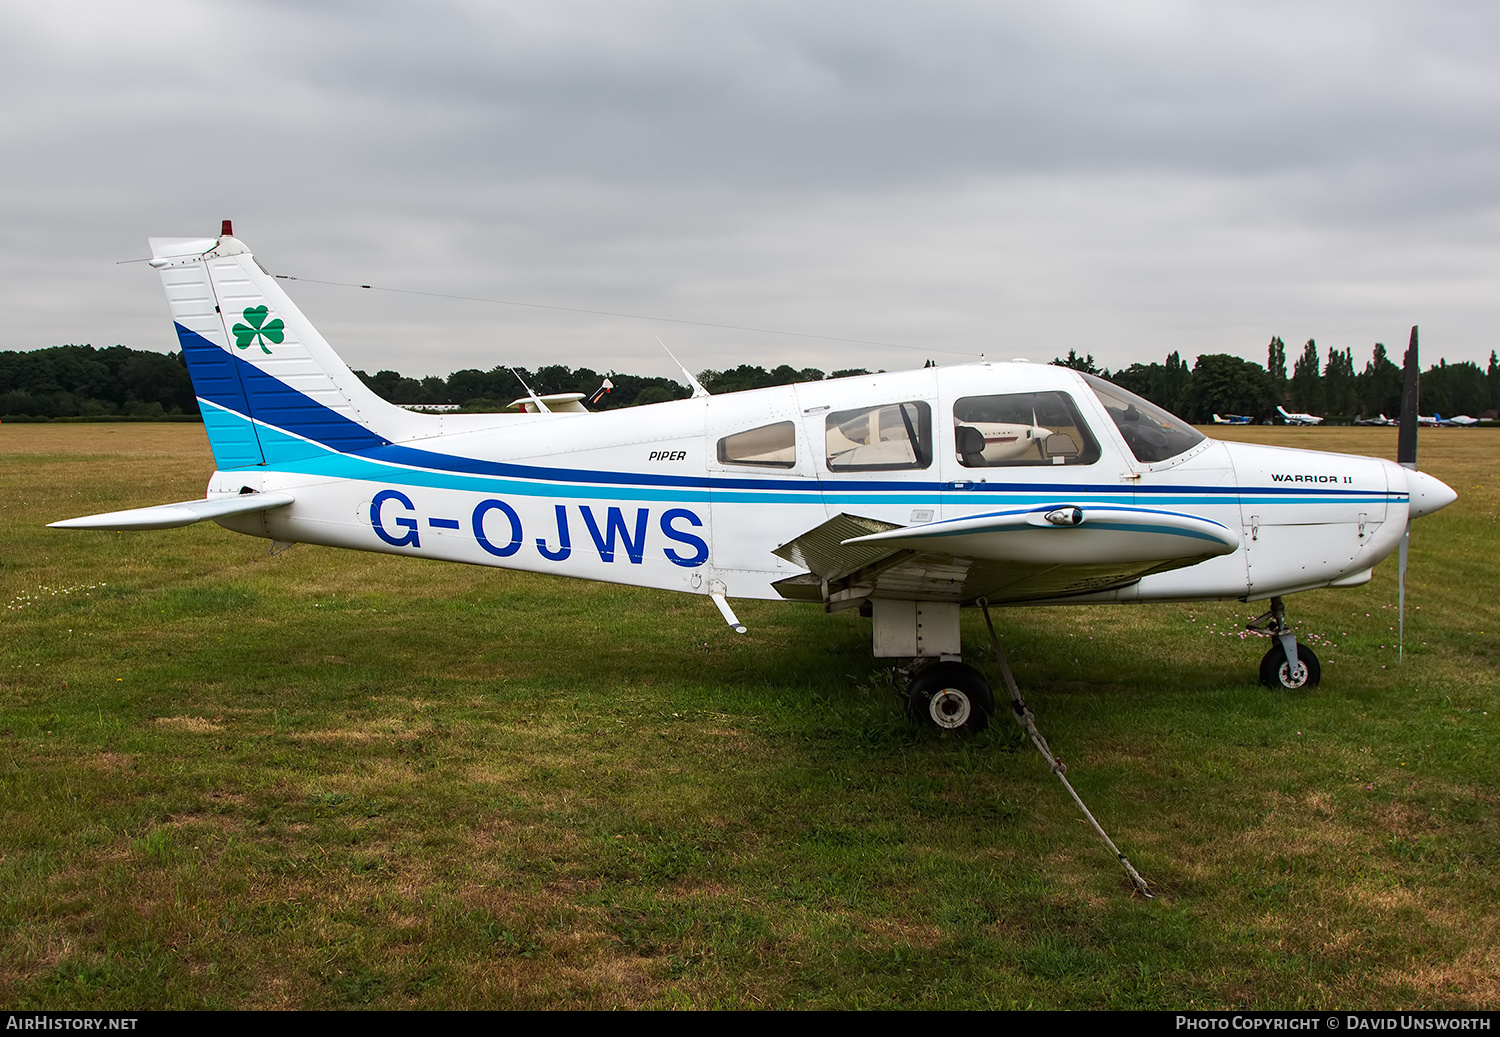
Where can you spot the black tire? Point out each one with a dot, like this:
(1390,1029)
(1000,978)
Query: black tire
(950,697)
(1275,673)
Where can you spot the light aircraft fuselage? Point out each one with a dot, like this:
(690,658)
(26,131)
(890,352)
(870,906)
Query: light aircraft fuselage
(641,495)
(907,495)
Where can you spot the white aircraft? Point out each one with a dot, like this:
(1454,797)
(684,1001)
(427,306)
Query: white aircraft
(907,496)
(1233,419)
(1299,419)
(1438,421)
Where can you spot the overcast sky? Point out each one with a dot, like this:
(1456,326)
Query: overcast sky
(1017,179)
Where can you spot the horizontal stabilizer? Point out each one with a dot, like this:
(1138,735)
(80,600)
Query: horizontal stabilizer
(557,403)
(170,516)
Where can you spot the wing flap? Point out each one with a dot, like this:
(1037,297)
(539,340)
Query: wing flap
(184,513)
(827,551)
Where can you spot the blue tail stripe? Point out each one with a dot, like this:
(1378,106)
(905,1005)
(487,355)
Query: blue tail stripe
(216,381)
(235,384)
(273,402)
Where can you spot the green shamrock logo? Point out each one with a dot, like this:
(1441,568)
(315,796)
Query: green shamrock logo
(253,331)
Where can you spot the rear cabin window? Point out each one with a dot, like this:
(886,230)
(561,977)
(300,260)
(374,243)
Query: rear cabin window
(887,438)
(769,446)
(1024,428)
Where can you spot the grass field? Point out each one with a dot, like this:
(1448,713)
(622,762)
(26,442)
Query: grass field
(328,780)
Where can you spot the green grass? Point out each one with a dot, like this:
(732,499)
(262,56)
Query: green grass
(329,780)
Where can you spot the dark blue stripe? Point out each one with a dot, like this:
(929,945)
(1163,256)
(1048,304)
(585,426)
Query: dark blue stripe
(215,377)
(274,402)
(236,384)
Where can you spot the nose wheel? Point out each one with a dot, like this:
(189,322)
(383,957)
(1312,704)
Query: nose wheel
(1290,665)
(1277,672)
(950,697)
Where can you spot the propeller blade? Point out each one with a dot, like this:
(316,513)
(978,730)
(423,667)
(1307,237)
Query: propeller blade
(1406,456)
(1406,439)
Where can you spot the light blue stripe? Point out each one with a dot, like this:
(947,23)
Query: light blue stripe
(230,436)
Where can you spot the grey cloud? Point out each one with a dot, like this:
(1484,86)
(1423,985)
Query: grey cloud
(1118,178)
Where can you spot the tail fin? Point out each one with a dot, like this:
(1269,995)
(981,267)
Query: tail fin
(269,386)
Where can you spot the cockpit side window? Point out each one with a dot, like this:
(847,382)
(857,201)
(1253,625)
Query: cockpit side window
(890,437)
(1024,428)
(1151,433)
(769,446)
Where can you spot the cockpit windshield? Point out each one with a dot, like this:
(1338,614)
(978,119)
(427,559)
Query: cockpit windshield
(1151,433)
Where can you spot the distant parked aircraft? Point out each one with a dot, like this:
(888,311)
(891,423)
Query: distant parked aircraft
(1438,421)
(1299,419)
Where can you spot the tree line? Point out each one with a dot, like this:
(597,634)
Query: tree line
(495,389)
(1219,383)
(81,381)
(76,381)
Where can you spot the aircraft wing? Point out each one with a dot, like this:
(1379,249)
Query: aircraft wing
(1015,555)
(185,513)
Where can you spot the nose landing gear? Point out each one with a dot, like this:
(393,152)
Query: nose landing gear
(1290,665)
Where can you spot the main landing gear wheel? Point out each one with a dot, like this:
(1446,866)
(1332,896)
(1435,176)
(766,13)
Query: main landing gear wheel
(1276,672)
(950,697)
